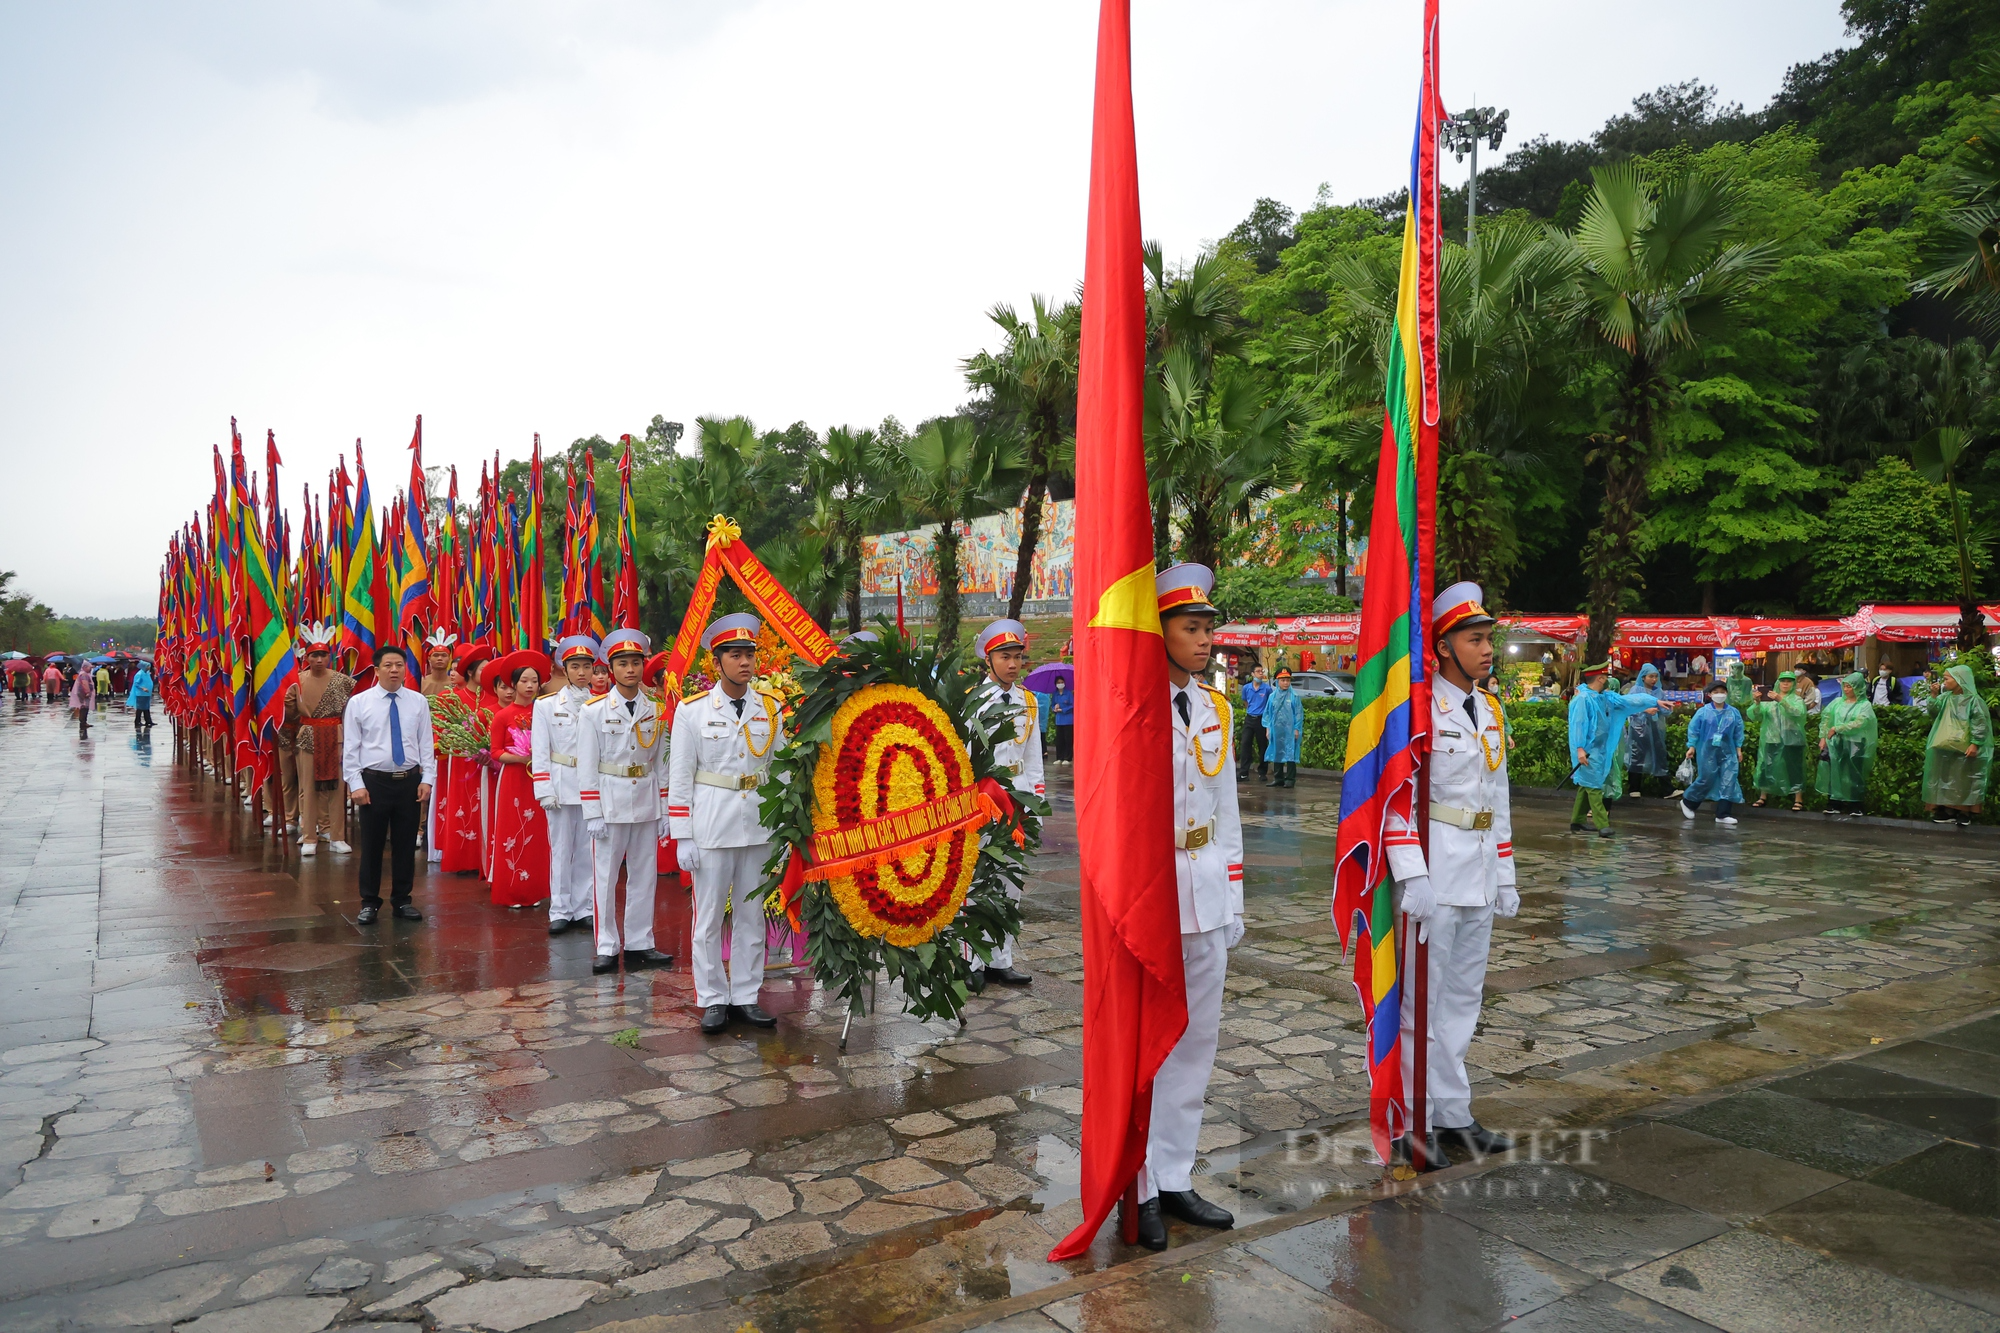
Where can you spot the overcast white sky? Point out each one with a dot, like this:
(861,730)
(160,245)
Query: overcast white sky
(325,218)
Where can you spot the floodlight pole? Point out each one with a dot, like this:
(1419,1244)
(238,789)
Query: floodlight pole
(1462,134)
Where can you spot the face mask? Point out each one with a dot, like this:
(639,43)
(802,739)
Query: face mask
(1718,699)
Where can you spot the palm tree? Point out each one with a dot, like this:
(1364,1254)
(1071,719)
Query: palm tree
(949,473)
(1970,264)
(1196,311)
(1032,381)
(1659,271)
(1503,315)
(1949,388)
(1212,448)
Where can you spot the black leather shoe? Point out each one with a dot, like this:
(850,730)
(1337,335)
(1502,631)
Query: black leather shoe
(1575,827)
(647,958)
(405,912)
(1191,1207)
(557,925)
(1476,1139)
(1008,976)
(604,962)
(753,1015)
(366,916)
(715,1018)
(975,981)
(1434,1158)
(1606,833)
(1152,1227)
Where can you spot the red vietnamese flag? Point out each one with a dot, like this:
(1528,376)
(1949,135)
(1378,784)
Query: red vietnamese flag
(1135,998)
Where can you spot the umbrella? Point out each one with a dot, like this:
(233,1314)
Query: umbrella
(102,658)
(1042,680)
(10,656)
(17,665)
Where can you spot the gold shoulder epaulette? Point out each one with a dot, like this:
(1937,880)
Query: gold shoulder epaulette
(697,695)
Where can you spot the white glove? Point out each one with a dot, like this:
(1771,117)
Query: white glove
(1418,902)
(596,829)
(687,853)
(1235,929)
(548,803)
(1508,903)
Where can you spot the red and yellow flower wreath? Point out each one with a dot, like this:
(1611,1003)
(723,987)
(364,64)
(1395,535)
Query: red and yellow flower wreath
(893,777)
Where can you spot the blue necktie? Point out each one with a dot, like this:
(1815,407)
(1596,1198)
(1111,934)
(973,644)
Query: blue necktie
(396,735)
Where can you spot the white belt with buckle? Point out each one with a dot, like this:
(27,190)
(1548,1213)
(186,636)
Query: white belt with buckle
(728,781)
(1198,836)
(566,760)
(1457,818)
(1015,769)
(622,770)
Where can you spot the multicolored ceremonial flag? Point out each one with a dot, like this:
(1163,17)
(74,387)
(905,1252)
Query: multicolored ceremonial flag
(414,613)
(1134,992)
(625,596)
(364,602)
(1388,735)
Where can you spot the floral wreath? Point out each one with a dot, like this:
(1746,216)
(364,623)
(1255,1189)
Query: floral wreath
(881,731)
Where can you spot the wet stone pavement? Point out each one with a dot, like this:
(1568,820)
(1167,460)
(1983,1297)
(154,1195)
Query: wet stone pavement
(1756,1074)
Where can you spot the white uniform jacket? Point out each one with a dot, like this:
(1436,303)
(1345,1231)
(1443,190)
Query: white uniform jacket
(1022,758)
(719,760)
(621,760)
(1468,780)
(552,753)
(1208,830)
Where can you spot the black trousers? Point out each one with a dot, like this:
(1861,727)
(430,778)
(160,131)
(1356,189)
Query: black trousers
(1065,742)
(1254,744)
(391,817)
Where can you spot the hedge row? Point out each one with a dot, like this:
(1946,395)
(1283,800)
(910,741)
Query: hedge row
(1541,753)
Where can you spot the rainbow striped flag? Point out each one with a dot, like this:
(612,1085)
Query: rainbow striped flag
(1388,737)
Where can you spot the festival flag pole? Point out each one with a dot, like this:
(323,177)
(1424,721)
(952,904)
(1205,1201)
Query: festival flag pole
(1388,739)
(1135,996)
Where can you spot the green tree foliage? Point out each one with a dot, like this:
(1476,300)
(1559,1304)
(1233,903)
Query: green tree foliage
(1661,263)
(26,626)
(1888,538)
(1259,590)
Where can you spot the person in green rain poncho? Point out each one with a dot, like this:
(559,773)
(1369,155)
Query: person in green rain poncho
(1781,745)
(1847,734)
(1959,751)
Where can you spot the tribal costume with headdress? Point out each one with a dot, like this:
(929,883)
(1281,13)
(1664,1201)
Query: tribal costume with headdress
(316,731)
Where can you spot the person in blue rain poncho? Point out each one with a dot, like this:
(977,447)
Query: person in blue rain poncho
(1646,735)
(1715,743)
(1285,723)
(1596,726)
(140,698)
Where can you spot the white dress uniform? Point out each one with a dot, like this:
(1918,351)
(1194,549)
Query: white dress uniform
(1020,757)
(620,760)
(1471,868)
(722,751)
(1208,872)
(552,764)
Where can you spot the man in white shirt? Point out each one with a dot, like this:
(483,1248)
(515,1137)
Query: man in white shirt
(620,737)
(723,742)
(1004,645)
(558,785)
(390,766)
(1208,871)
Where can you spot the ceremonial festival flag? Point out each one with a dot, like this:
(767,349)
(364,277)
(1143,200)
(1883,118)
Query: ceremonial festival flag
(367,621)
(414,614)
(1135,998)
(1388,736)
(625,597)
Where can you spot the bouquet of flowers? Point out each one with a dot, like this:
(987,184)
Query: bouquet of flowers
(459,730)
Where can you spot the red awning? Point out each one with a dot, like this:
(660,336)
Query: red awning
(1567,629)
(1246,634)
(1671,632)
(1917,624)
(1793,636)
